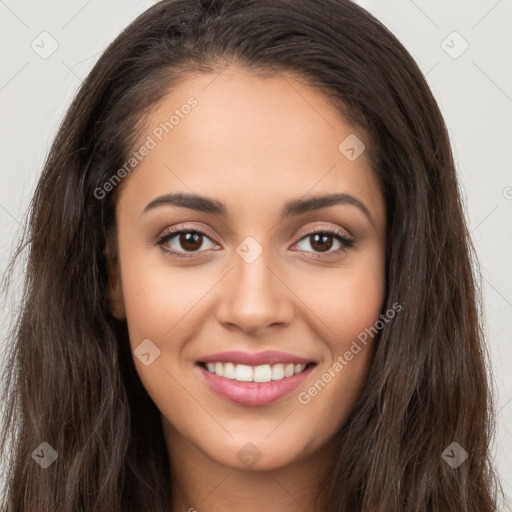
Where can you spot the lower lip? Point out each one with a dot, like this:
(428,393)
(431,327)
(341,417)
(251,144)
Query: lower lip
(252,394)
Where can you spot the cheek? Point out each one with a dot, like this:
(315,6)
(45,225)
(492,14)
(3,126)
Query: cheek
(356,307)
(348,303)
(349,316)
(349,308)
(157,297)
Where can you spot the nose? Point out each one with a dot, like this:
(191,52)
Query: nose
(255,297)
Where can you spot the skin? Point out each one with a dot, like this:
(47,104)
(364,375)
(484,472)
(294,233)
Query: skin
(253,144)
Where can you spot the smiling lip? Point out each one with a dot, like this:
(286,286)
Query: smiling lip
(254,358)
(252,394)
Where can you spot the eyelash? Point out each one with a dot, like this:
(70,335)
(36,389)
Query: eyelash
(346,242)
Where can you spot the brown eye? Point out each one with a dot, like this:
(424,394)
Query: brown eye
(191,240)
(321,242)
(180,242)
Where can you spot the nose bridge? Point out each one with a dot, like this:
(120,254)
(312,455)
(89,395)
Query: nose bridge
(252,274)
(255,298)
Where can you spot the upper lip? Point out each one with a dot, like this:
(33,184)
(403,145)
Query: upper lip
(253,358)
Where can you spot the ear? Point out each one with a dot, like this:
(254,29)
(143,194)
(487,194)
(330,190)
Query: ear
(115,289)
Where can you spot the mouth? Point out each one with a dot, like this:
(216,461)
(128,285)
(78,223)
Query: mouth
(253,386)
(261,373)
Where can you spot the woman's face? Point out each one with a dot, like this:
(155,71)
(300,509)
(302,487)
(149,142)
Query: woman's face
(255,151)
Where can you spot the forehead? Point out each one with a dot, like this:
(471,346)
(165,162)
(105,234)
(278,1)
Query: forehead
(250,140)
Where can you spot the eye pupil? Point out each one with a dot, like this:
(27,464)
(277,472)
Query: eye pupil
(191,240)
(319,242)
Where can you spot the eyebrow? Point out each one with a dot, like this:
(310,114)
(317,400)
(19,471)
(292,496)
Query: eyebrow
(291,208)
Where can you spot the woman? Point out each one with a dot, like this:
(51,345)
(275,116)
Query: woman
(249,282)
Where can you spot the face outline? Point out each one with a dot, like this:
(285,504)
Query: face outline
(252,144)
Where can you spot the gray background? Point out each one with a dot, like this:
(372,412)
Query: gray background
(473,88)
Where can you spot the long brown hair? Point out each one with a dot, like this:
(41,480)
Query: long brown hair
(70,378)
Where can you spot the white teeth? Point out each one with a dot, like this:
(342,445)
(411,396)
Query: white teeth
(262,373)
(243,373)
(229,370)
(277,372)
(299,368)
